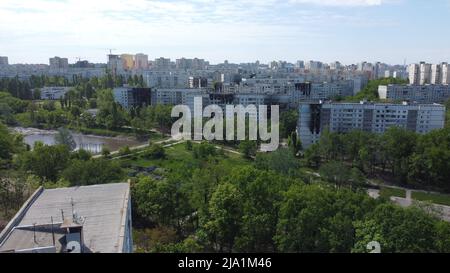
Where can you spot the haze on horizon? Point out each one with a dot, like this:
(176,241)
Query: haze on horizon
(349,31)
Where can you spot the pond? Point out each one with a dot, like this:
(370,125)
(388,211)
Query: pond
(91,143)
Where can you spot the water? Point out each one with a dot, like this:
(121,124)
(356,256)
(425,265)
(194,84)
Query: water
(91,143)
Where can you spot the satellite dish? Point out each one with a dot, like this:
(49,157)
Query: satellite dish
(73,247)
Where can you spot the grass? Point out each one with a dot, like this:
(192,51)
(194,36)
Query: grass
(436,198)
(177,156)
(388,192)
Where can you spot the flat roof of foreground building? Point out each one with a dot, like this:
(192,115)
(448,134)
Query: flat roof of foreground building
(41,221)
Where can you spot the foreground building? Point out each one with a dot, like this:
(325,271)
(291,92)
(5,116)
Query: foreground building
(428,93)
(315,117)
(86,219)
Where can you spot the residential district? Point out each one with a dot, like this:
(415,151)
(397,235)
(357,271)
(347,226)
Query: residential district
(329,101)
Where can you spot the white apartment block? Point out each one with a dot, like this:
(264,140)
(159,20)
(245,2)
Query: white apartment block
(369,117)
(424,73)
(429,93)
(414,76)
(54,92)
(169,96)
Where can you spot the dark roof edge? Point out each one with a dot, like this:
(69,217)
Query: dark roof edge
(19,215)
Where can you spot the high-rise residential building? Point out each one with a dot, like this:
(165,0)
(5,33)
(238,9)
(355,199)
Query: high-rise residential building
(183,63)
(425,73)
(141,61)
(445,73)
(127,61)
(414,73)
(300,64)
(316,117)
(4,60)
(161,63)
(58,64)
(85,219)
(335,65)
(436,74)
(115,64)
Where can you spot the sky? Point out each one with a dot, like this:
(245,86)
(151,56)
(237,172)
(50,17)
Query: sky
(349,31)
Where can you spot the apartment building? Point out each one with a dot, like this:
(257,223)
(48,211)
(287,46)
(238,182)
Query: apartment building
(131,97)
(429,93)
(314,117)
(53,92)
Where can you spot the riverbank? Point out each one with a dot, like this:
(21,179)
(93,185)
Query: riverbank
(90,142)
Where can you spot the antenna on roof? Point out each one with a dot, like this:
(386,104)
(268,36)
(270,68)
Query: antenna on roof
(62,215)
(72,205)
(53,232)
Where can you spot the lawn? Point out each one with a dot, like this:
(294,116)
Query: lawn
(442,199)
(388,192)
(178,156)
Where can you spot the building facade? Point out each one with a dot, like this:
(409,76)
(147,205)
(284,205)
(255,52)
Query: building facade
(315,117)
(429,93)
(132,97)
(53,92)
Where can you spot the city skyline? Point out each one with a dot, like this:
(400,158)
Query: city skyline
(349,31)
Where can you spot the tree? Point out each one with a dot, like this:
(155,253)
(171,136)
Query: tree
(288,123)
(400,145)
(155,151)
(125,150)
(248,148)
(64,137)
(397,230)
(105,152)
(45,161)
(92,172)
(7,147)
(204,150)
(225,210)
(336,173)
(281,161)
(189,145)
(294,143)
(314,218)
(161,201)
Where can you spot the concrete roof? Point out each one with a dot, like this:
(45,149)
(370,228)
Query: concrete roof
(103,208)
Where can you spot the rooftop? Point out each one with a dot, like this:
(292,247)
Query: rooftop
(103,209)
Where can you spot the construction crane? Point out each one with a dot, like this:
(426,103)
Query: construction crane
(110,50)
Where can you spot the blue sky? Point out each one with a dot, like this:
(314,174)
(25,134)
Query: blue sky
(350,31)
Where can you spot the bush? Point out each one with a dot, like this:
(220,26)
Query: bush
(125,150)
(155,151)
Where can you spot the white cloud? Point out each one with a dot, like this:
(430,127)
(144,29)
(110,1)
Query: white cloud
(341,2)
(42,28)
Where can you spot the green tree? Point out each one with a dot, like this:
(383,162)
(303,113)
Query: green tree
(45,161)
(225,217)
(92,172)
(397,230)
(64,137)
(248,148)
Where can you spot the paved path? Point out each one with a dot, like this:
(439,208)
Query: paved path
(441,211)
